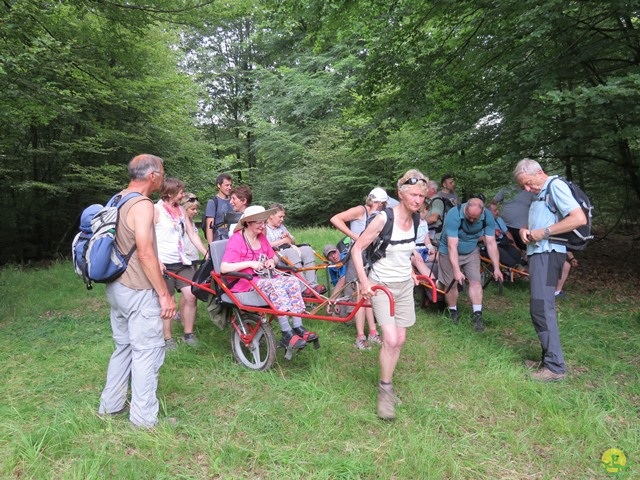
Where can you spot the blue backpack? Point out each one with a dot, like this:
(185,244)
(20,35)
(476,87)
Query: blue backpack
(96,257)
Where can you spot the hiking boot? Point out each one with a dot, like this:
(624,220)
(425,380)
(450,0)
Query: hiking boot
(386,402)
(292,340)
(305,334)
(374,340)
(533,364)
(454,315)
(546,375)
(361,343)
(478,324)
(190,339)
(170,345)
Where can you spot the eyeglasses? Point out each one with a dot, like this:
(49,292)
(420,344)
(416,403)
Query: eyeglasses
(192,199)
(413,181)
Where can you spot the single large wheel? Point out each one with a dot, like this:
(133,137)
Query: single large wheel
(419,296)
(486,275)
(260,353)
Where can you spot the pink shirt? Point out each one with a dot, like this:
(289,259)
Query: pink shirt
(238,250)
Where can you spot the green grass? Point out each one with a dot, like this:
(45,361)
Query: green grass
(469,411)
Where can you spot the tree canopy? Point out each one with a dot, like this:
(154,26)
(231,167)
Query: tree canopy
(311,103)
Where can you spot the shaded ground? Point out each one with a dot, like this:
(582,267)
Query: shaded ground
(609,263)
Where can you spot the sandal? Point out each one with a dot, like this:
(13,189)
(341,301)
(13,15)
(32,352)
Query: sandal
(306,335)
(291,340)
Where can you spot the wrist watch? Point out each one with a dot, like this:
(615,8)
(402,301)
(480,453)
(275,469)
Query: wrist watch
(547,232)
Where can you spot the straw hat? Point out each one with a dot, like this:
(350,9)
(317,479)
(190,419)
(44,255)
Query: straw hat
(254,213)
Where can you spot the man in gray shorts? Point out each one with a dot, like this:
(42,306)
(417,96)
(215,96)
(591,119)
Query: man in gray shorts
(460,257)
(139,301)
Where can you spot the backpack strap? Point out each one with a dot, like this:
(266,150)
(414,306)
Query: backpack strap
(216,204)
(548,198)
(389,225)
(119,203)
(366,214)
(387,230)
(203,224)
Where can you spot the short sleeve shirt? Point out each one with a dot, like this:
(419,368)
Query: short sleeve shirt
(237,250)
(276,233)
(436,206)
(541,216)
(501,228)
(457,226)
(224,206)
(515,206)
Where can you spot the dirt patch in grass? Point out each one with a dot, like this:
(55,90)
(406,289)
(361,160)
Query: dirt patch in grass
(610,263)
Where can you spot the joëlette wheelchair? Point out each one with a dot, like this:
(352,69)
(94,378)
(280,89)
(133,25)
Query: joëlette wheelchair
(511,274)
(324,264)
(250,314)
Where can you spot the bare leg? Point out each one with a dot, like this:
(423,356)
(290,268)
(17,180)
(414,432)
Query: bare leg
(475,292)
(359,321)
(368,312)
(188,309)
(566,268)
(394,338)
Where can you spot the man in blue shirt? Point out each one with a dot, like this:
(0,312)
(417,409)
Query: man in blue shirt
(215,227)
(546,259)
(460,255)
(334,256)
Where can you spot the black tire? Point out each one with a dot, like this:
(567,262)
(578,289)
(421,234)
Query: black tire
(261,353)
(486,275)
(419,296)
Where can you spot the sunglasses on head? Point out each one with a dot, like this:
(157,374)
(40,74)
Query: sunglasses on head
(413,181)
(478,195)
(192,199)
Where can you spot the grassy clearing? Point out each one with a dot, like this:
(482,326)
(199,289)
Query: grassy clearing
(468,412)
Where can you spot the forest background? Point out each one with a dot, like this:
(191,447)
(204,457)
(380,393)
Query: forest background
(310,102)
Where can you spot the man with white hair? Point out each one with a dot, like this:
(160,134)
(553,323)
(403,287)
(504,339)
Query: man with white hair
(546,259)
(460,255)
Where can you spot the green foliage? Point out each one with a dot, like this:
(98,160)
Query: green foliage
(310,102)
(86,89)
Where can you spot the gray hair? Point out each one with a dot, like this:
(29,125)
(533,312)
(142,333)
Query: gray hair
(142,165)
(433,184)
(526,166)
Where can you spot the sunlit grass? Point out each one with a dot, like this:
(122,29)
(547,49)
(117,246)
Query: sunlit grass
(468,412)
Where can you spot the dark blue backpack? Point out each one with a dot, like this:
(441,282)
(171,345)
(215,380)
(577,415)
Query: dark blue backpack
(579,238)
